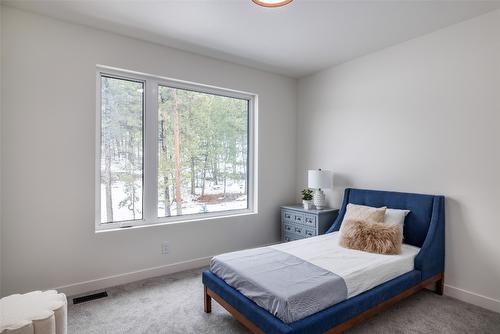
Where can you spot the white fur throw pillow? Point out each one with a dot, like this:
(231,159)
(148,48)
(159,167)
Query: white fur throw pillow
(371,237)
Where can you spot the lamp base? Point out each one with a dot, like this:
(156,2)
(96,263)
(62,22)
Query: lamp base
(319,200)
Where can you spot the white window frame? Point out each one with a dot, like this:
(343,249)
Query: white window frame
(150,150)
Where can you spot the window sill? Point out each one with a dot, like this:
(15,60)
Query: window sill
(132,225)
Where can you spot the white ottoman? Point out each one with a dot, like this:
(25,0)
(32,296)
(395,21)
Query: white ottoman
(35,312)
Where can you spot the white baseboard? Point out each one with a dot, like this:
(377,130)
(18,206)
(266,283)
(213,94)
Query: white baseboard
(106,282)
(472,298)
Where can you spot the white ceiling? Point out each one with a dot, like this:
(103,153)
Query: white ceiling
(301,38)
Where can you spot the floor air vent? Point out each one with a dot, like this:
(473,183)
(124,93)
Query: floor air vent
(88,298)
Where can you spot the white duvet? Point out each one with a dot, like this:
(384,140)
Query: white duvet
(360,270)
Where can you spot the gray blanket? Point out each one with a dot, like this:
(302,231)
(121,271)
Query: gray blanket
(288,287)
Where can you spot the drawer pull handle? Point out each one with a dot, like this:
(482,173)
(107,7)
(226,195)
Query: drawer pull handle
(288,228)
(297,218)
(287,216)
(298,230)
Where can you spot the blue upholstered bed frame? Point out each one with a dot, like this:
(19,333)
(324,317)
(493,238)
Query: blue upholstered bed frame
(424,228)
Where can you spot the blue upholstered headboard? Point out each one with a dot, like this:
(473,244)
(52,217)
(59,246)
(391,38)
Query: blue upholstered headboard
(424,225)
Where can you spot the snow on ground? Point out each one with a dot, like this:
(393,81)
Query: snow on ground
(189,205)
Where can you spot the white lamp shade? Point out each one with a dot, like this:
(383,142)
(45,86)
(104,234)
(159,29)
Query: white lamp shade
(319,179)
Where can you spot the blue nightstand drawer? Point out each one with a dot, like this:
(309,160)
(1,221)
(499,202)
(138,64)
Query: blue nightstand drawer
(290,228)
(298,217)
(310,220)
(309,232)
(290,237)
(287,215)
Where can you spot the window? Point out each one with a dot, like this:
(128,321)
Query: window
(171,151)
(121,179)
(203,147)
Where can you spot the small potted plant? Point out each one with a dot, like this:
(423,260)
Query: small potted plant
(307,196)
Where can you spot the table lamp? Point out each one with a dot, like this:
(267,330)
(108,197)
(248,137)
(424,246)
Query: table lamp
(318,179)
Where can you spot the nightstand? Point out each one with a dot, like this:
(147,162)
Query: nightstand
(297,223)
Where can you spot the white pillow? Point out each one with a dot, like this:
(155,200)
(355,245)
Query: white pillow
(396,217)
(363,212)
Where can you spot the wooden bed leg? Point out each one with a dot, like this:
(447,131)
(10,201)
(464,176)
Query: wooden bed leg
(207,301)
(440,286)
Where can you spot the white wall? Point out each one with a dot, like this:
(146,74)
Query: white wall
(1,10)
(48,155)
(422,116)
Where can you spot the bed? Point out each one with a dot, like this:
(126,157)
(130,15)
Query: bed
(370,285)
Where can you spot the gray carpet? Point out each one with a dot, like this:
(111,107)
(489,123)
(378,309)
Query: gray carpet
(174,304)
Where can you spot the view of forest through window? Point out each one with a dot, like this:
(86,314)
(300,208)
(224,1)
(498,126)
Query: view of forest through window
(202,143)
(202,152)
(122,104)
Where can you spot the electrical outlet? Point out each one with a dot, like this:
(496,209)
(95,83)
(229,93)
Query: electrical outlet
(164,247)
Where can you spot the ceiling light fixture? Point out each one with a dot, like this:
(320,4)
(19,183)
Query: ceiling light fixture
(272,3)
